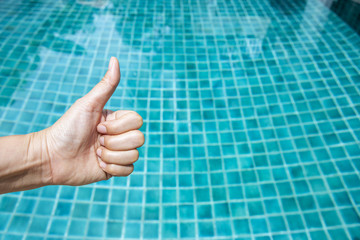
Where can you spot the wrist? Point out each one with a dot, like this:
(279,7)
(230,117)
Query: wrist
(38,157)
(23,162)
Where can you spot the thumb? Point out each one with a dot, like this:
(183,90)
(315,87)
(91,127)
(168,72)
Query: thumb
(101,93)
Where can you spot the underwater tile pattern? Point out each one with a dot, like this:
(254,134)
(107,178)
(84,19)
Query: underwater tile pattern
(251,116)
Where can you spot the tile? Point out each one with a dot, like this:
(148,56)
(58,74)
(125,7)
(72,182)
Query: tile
(151,230)
(251,117)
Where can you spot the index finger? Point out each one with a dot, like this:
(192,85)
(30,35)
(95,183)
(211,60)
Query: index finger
(126,122)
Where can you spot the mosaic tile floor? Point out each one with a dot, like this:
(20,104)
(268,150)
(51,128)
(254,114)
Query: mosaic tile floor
(251,115)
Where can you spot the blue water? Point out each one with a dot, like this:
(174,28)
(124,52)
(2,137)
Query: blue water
(251,116)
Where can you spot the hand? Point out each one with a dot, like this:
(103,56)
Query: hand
(88,144)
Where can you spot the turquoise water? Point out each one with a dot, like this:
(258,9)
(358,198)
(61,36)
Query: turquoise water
(251,116)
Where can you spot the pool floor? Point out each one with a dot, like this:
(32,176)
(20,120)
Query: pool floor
(251,116)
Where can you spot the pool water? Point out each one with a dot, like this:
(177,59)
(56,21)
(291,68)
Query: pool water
(251,116)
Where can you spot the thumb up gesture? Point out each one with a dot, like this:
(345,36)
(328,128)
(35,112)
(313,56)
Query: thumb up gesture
(89,143)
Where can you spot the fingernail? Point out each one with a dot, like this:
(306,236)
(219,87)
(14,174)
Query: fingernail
(98,152)
(101,140)
(111,63)
(101,128)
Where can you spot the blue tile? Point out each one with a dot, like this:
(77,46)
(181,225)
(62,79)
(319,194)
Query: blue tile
(152,213)
(330,218)
(95,229)
(306,203)
(186,196)
(354,232)
(152,180)
(133,212)
(268,190)
(202,194)
(295,222)
(26,206)
(324,201)
(67,193)
(63,209)
(242,226)
(152,196)
(337,234)
(300,235)
(259,226)
(132,230)
(317,185)
(84,193)
(118,196)
(169,181)
(289,204)
(318,235)
(4,218)
(58,227)
(350,216)
(169,212)
(251,117)
(223,228)
(135,196)
(151,230)
(98,211)
(116,212)
(12,237)
(169,196)
(187,230)
(222,210)
(101,195)
(277,224)
(206,229)
(235,192)
(169,230)
(218,193)
(185,180)
(77,228)
(19,224)
(204,212)
(8,204)
(255,208)
(81,210)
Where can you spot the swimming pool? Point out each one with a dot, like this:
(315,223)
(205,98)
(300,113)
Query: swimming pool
(251,116)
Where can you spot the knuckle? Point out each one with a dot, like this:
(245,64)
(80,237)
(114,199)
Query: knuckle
(107,141)
(131,113)
(135,134)
(106,81)
(109,127)
(141,135)
(104,154)
(138,138)
(142,139)
(118,114)
(129,170)
(134,155)
(111,169)
(137,119)
(117,170)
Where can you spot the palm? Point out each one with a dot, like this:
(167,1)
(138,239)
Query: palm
(74,140)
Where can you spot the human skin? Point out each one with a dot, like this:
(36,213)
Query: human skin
(87,144)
